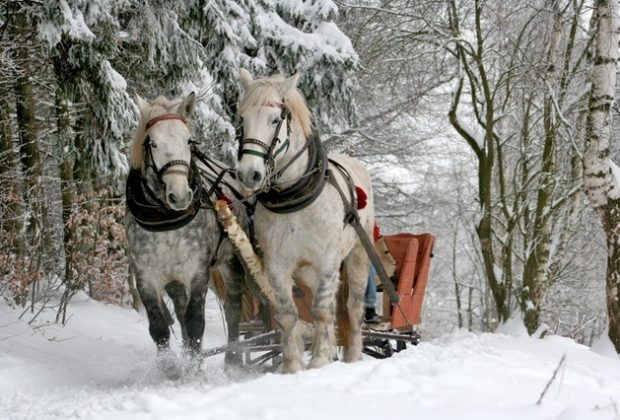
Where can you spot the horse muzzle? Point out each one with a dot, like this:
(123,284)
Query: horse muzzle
(179,203)
(179,195)
(251,179)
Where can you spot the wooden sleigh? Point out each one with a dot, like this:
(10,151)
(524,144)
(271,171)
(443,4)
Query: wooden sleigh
(406,258)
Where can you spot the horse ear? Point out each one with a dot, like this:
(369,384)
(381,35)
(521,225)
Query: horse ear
(245,78)
(186,108)
(143,105)
(290,83)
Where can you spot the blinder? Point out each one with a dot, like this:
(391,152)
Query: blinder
(270,149)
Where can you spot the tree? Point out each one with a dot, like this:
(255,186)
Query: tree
(516,76)
(601,182)
(73,65)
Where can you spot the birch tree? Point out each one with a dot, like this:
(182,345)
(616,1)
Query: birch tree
(600,181)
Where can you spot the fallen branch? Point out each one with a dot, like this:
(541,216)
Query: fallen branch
(555,372)
(241,241)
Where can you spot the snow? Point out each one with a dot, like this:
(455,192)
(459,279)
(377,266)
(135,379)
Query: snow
(327,40)
(73,24)
(514,326)
(614,193)
(101,365)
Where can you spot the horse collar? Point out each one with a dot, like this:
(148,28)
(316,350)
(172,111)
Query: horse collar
(150,213)
(305,191)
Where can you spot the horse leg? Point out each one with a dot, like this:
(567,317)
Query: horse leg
(177,293)
(158,319)
(356,265)
(324,313)
(159,322)
(286,316)
(195,315)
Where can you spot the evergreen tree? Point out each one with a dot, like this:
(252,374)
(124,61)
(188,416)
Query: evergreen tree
(82,37)
(277,37)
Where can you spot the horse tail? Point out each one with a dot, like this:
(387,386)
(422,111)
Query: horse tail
(218,285)
(343,326)
(247,304)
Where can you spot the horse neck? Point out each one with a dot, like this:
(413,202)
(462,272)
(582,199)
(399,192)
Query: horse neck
(298,167)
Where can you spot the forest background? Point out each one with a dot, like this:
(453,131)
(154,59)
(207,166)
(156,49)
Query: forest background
(476,118)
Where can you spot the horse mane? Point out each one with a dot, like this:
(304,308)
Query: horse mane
(266,90)
(159,106)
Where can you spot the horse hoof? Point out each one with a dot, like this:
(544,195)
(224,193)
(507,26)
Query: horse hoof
(291,367)
(352,358)
(233,358)
(170,366)
(318,362)
(235,371)
(193,366)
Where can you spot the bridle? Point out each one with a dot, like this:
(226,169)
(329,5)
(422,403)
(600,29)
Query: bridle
(270,153)
(149,146)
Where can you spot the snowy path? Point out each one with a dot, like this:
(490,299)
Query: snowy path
(101,367)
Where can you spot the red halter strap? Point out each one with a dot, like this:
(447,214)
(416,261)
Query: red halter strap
(164,117)
(274,104)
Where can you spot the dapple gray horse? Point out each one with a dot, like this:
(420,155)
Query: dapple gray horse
(173,242)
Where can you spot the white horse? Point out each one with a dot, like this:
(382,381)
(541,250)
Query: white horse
(300,218)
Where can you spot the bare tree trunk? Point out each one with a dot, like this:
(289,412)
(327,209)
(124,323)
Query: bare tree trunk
(601,186)
(65,168)
(25,107)
(10,196)
(500,286)
(536,273)
(27,127)
(457,288)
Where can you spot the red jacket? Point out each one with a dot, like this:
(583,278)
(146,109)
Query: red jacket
(376,234)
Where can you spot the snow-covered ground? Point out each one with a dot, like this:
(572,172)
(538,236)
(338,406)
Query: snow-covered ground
(101,366)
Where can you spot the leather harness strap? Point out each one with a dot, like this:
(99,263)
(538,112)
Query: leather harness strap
(352,217)
(151,213)
(164,117)
(305,191)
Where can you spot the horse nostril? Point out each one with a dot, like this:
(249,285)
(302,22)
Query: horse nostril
(256,176)
(190,196)
(172,198)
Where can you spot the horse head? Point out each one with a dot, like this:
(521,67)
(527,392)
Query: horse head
(276,122)
(162,149)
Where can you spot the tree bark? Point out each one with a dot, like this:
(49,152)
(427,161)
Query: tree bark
(65,169)
(601,186)
(500,286)
(25,105)
(536,271)
(10,196)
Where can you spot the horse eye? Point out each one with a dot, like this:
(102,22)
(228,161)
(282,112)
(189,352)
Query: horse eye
(150,142)
(276,121)
(192,141)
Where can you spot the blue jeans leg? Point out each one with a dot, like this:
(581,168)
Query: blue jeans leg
(371,288)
